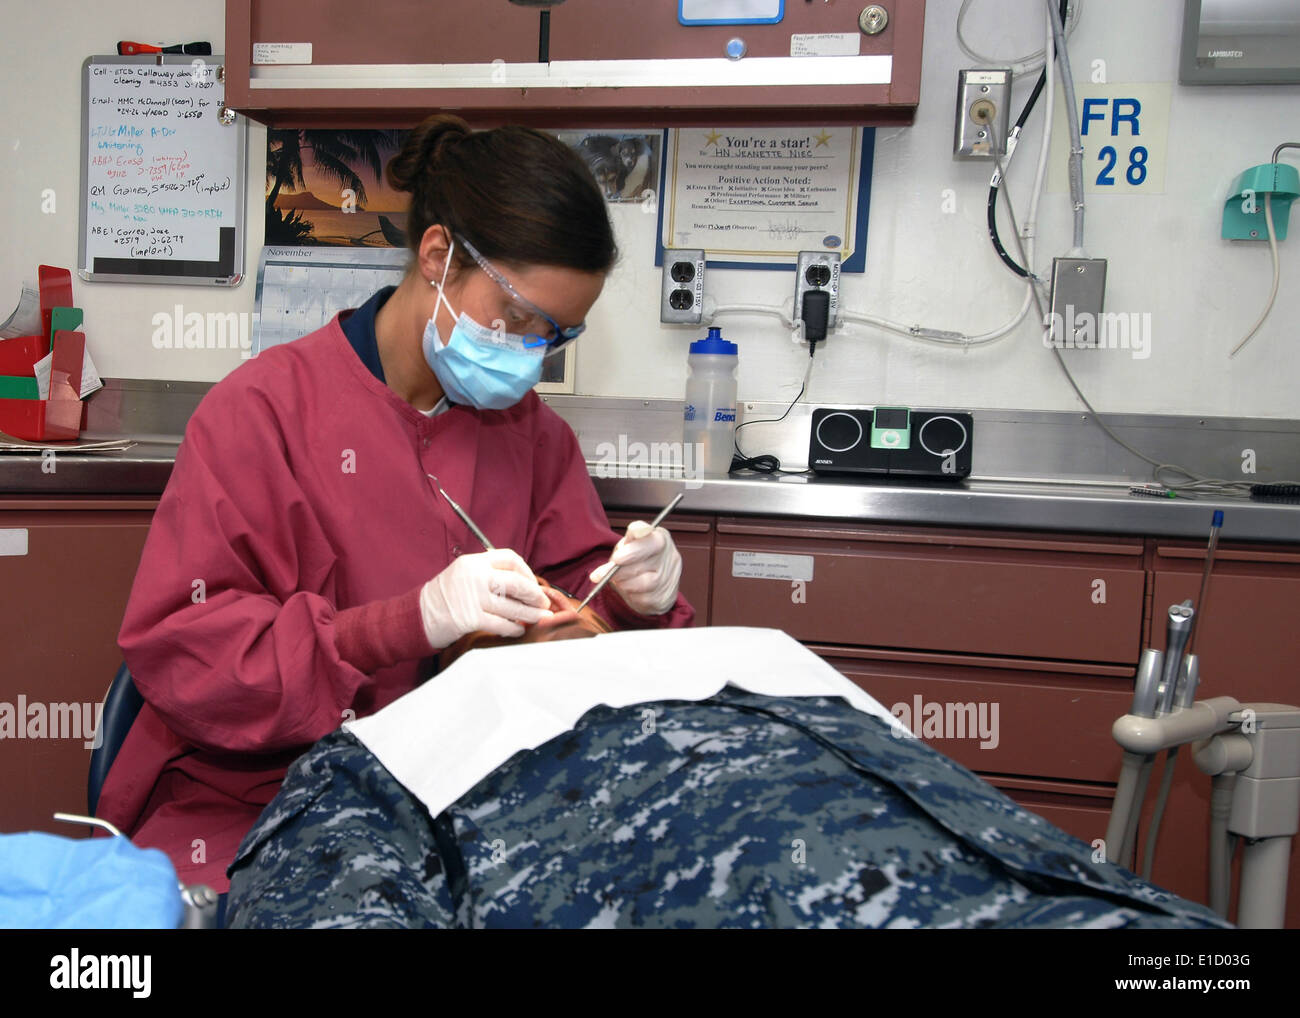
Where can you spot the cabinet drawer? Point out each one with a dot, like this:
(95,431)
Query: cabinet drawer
(1064,599)
(693,536)
(1080,810)
(62,603)
(1251,605)
(1001,720)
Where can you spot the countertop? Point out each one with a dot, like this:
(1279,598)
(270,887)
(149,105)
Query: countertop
(1035,505)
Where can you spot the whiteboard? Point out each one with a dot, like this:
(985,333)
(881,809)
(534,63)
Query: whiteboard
(162,172)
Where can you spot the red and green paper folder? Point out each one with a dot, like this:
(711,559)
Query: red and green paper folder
(23,414)
(56,292)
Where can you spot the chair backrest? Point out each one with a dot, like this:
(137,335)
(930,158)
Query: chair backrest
(121,705)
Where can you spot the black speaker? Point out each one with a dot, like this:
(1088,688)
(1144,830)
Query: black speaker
(891,441)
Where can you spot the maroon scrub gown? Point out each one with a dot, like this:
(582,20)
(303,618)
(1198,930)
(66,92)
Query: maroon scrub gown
(277,595)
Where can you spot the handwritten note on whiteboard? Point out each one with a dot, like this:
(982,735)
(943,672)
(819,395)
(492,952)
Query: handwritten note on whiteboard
(163,176)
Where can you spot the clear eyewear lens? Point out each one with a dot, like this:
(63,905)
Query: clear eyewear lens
(560,344)
(558,339)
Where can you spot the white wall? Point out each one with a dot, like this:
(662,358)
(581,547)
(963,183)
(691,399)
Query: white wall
(923,265)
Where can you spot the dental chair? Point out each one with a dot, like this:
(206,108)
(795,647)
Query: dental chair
(122,704)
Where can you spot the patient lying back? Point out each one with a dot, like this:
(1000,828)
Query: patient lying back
(568,623)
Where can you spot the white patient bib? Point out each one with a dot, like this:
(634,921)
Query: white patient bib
(441,739)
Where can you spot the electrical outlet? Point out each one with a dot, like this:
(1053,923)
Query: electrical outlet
(983,98)
(1078,293)
(818,270)
(682,300)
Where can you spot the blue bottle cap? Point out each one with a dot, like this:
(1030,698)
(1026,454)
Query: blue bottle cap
(714,343)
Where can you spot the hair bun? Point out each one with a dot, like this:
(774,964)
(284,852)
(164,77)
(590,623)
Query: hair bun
(521,195)
(424,149)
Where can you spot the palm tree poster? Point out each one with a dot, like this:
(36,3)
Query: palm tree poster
(327,187)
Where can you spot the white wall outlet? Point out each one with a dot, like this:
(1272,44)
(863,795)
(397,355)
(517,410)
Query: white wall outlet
(818,270)
(682,299)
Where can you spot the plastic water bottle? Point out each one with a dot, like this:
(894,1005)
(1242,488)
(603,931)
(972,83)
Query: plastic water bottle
(709,419)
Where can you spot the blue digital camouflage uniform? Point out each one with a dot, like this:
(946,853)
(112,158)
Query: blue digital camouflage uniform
(738,811)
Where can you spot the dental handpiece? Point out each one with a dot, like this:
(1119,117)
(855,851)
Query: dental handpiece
(1146,690)
(1179,629)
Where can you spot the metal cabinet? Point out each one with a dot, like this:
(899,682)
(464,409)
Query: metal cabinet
(1047,627)
(62,604)
(612,63)
(1010,652)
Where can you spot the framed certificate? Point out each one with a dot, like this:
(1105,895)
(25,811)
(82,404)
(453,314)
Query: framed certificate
(754,197)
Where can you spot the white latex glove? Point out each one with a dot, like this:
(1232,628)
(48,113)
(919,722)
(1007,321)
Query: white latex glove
(651,569)
(493,590)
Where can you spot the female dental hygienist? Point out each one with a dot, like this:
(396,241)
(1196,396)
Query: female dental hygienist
(302,570)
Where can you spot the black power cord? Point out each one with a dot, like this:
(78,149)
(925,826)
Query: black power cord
(767,463)
(815,313)
(1002,253)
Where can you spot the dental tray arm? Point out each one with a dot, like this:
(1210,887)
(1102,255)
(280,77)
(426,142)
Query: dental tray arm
(1142,738)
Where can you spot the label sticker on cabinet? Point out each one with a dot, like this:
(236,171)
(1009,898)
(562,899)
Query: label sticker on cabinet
(826,44)
(758,565)
(281,52)
(13,541)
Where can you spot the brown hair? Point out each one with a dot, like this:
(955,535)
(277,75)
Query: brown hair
(519,195)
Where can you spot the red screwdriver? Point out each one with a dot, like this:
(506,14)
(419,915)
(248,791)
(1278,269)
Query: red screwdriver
(194,49)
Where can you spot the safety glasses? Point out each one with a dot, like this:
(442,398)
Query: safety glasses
(557,338)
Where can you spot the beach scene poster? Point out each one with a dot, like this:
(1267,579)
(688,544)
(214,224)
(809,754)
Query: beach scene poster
(327,187)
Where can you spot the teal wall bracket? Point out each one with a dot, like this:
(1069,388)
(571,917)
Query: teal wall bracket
(1243,212)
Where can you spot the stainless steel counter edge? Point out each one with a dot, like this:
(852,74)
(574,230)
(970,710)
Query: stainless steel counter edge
(972,504)
(1008,505)
(1052,470)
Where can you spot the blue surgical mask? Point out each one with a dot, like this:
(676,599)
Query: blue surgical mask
(488,369)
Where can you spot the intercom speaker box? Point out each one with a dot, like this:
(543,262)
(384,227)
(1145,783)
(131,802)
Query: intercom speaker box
(891,441)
